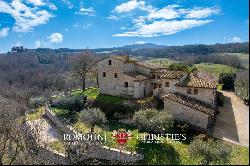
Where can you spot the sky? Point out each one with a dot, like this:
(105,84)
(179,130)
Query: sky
(114,23)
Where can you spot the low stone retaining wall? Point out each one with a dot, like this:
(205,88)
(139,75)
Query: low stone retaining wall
(62,124)
(99,152)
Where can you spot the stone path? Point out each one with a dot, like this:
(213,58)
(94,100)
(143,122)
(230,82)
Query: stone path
(46,133)
(232,124)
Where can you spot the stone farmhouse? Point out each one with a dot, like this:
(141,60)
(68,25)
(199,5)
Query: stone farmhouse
(186,96)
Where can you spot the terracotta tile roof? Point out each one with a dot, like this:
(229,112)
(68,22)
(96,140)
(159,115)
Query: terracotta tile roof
(196,82)
(208,77)
(136,75)
(191,102)
(173,74)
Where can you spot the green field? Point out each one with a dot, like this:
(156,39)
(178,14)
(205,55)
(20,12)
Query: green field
(215,69)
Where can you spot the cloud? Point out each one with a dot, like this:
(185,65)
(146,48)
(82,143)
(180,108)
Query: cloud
(129,6)
(112,17)
(70,5)
(167,12)
(162,21)
(4,32)
(140,42)
(26,18)
(86,11)
(201,12)
(163,27)
(36,2)
(52,7)
(38,44)
(55,38)
(84,26)
(234,39)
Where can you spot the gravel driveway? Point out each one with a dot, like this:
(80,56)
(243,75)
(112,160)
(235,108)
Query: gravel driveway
(232,124)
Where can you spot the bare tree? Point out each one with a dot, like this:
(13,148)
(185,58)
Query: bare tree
(81,65)
(242,84)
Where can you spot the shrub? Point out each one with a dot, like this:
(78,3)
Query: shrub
(227,79)
(153,120)
(209,150)
(178,66)
(93,117)
(112,110)
(37,102)
(72,103)
(220,99)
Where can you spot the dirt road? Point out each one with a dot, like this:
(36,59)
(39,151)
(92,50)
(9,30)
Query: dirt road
(232,124)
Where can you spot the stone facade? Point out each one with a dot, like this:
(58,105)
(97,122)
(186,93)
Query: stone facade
(135,79)
(186,114)
(125,78)
(203,94)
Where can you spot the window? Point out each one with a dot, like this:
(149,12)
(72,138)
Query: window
(104,74)
(189,91)
(115,75)
(195,91)
(110,62)
(153,76)
(126,84)
(166,84)
(158,77)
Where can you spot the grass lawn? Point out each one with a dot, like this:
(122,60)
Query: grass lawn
(215,69)
(239,155)
(36,114)
(93,94)
(62,113)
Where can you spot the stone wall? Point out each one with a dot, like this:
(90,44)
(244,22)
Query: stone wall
(204,94)
(99,152)
(107,84)
(181,112)
(60,123)
(112,154)
(171,87)
(115,86)
(144,70)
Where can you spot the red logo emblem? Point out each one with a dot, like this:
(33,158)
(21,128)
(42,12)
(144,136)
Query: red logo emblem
(122,136)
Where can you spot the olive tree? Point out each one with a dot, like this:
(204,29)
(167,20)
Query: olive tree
(93,117)
(153,120)
(209,150)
